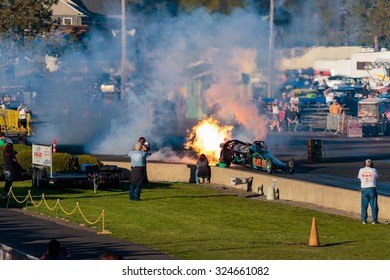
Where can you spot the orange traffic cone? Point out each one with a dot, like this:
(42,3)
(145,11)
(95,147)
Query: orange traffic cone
(314,241)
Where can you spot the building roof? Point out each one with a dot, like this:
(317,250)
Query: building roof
(79,7)
(102,7)
(374,100)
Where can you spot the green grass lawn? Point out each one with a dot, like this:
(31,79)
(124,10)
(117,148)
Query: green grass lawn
(198,222)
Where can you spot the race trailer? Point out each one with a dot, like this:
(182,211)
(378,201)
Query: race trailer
(89,174)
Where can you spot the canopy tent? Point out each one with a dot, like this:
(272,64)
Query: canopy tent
(381,63)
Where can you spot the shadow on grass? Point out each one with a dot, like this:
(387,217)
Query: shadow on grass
(336,244)
(189,196)
(64,193)
(52,192)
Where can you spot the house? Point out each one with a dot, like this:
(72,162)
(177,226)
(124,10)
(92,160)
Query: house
(92,13)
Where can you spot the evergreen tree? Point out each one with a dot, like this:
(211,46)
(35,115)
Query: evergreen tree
(370,21)
(21,18)
(22,24)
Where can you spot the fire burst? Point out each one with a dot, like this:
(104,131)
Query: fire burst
(206,137)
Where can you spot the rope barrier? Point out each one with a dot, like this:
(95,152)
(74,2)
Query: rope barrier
(58,206)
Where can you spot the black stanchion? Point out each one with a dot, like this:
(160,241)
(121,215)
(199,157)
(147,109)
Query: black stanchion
(314,150)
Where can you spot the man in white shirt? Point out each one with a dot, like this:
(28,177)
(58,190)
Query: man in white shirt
(22,116)
(367,176)
(329,96)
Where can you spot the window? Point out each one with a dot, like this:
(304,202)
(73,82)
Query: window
(67,21)
(361,65)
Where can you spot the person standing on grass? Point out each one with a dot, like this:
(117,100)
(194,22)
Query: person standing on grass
(367,176)
(10,161)
(145,146)
(137,175)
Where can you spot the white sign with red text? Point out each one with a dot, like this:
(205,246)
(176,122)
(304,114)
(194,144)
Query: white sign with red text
(42,155)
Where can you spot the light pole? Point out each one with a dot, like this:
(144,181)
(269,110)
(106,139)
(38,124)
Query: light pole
(123,56)
(270,50)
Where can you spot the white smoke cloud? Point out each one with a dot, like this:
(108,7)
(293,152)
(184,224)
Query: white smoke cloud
(158,95)
(173,44)
(166,154)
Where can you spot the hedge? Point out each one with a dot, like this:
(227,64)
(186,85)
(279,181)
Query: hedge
(62,162)
(88,160)
(24,158)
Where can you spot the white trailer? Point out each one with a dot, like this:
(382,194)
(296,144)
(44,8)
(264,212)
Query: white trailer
(376,65)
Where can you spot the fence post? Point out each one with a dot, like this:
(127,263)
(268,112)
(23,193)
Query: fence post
(343,122)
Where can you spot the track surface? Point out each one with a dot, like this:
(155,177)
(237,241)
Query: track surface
(342,158)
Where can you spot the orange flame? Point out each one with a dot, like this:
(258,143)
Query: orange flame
(206,137)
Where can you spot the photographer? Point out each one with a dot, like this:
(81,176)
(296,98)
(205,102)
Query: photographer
(145,147)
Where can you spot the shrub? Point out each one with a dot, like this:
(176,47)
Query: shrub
(21,147)
(24,158)
(88,160)
(63,162)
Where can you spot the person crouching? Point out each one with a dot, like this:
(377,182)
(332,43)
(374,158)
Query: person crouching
(203,169)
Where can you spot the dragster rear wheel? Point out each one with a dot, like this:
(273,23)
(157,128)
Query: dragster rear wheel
(227,157)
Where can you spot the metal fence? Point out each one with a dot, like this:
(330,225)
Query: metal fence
(337,123)
(8,253)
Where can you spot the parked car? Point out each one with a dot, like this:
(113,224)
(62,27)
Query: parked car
(383,91)
(336,80)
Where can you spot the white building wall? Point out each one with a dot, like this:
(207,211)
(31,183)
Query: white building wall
(368,58)
(337,67)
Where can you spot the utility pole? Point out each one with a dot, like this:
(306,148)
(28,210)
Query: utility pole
(270,50)
(123,57)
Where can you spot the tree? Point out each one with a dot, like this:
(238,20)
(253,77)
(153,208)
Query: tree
(380,23)
(20,23)
(148,7)
(20,18)
(221,6)
(172,6)
(371,21)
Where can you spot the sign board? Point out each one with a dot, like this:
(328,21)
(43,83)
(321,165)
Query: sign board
(42,155)
(354,129)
